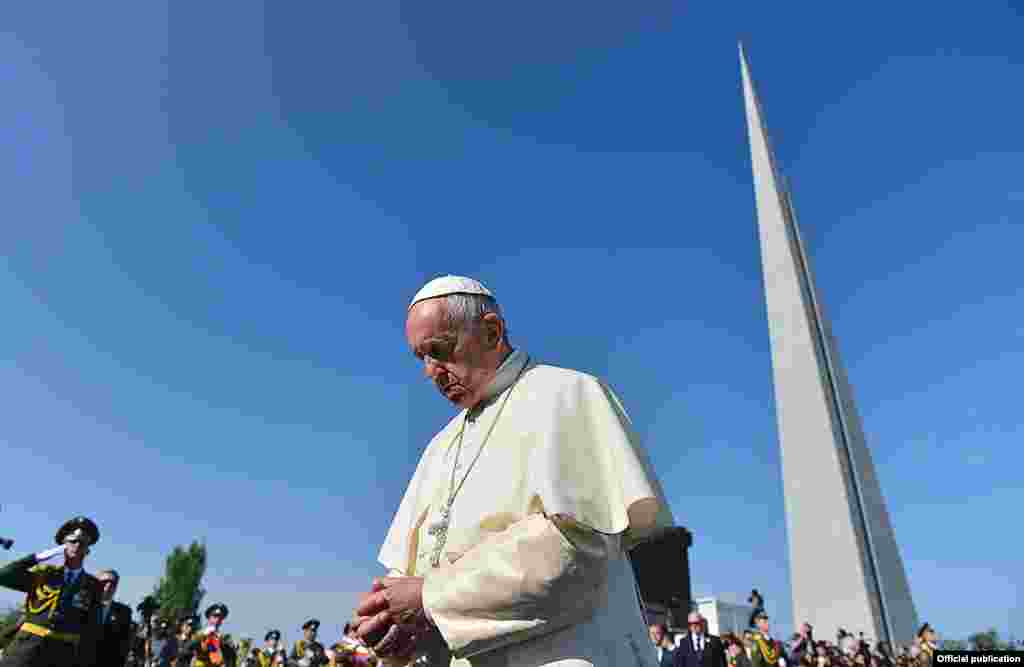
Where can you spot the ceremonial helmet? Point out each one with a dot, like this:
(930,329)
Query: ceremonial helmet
(79,527)
(311,623)
(214,608)
(924,628)
(273,635)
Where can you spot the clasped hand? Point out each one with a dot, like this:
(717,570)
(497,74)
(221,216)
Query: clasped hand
(390,618)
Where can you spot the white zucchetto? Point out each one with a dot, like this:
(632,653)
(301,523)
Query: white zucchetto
(446,285)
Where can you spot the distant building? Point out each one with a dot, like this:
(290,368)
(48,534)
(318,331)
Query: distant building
(723,616)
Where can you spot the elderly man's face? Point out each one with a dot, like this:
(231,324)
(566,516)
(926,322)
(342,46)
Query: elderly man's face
(657,634)
(458,362)
(108,586)
(695,623)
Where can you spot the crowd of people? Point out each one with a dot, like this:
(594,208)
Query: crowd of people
(70,618)
(756,647)
(185,646)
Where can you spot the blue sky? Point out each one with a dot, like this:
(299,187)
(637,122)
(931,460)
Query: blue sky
(213,219)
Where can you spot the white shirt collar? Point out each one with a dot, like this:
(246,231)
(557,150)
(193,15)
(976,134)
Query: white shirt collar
(507,373)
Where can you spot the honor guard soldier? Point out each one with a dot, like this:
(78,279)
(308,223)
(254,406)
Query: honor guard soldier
(926,641)
(767,652)
(61,600)
(208,646)
(271,644)
(308,652)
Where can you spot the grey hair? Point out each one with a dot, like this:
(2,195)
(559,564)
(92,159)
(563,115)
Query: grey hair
(466,311)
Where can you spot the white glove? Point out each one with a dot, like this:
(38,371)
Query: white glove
(49,553)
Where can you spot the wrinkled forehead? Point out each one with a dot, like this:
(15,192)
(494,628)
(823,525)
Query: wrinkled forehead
(426,319)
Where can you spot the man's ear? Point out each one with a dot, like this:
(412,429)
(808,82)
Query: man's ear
(495,328)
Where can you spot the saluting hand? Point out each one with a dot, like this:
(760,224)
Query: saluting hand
(49,553)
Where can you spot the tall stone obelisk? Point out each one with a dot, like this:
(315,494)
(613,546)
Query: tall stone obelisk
(845,565)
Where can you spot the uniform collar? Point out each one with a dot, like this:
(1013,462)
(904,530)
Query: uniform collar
(504,377)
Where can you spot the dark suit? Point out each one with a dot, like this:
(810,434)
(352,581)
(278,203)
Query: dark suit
(712,655)
(110,642)
(667,657)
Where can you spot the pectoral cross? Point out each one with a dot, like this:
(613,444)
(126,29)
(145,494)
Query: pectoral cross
(439,531)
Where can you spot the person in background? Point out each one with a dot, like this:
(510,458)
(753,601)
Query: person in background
(163,646)
(767,652)
(112,636)
(351,651)
(820,658)
(926,643)
(209,646)
(735,654)
(663,646)
(271,643)
(803,644)
(698,648)
(308,652)
(757,601)
(184,641)
(244,648)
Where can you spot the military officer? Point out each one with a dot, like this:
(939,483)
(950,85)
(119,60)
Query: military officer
(208,645)
(61,600)
(767,652)
(271,643)
(926,641)
(308,652)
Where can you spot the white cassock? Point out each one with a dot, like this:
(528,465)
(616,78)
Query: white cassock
(533,570)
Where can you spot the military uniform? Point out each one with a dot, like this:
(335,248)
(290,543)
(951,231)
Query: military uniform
(766,651)
(60,604)
(927,655)
(309,652)
(266,654)
(351,653)
(208,646)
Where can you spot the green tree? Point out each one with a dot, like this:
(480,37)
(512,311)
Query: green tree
(180,589)
(988,640)
(953,645)
(9,619)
